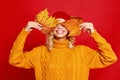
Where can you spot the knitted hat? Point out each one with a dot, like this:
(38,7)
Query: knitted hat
(61,14)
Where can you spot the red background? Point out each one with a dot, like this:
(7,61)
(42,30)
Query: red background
(14,14)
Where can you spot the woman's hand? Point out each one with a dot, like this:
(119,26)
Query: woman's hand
(31,25)
(87,26)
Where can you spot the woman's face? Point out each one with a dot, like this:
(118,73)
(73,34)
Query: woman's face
(60,32)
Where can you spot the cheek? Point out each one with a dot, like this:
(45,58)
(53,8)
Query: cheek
(66,32)
(54,31)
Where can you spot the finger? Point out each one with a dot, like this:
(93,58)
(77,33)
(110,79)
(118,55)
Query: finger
(81,26)
(85,29)
(37,27)
(83,23)
(38,24)
(89,31)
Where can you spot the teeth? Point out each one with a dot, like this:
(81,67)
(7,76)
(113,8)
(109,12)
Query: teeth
(60,32)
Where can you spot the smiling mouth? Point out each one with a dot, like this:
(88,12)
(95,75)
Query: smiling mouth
(60,31)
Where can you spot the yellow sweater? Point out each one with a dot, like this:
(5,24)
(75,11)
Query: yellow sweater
(62,63)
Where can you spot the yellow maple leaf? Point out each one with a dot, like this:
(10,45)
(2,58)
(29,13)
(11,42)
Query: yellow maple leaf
(44,19)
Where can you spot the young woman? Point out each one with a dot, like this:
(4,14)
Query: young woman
(59,59)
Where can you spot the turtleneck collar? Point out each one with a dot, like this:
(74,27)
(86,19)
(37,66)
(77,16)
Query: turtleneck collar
(60,44)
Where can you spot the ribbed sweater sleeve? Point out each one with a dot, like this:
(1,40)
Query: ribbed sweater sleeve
(102,57)
(18,57)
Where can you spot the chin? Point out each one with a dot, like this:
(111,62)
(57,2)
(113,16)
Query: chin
(60,36)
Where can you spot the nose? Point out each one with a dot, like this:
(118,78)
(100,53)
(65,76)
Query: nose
(59,26)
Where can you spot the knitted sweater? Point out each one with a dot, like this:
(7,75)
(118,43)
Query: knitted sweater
(62,63)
